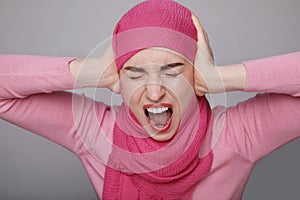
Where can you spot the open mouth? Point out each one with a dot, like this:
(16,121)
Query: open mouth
(159,116)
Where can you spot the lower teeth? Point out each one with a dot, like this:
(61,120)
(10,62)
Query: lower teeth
(157,125)
(159,120)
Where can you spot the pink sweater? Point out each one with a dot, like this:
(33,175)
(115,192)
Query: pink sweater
(32,97)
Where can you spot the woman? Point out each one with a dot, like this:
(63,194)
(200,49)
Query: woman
(163,141)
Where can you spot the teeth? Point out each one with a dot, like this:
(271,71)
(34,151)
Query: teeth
(157,110)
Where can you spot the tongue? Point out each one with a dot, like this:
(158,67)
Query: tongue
(159,120)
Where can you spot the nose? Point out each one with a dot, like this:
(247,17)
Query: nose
(155,92)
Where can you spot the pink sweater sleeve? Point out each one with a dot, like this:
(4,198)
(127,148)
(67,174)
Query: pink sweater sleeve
(261,124)
(277,74)
(32,97)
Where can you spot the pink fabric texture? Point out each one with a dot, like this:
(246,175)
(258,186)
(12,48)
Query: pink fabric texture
(238,136)
(155,23)
(141,168)
(241,135)
(144,168)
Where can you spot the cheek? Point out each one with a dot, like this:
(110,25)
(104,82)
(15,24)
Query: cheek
(189,75)
(125,88)
(182,90)
(130,92)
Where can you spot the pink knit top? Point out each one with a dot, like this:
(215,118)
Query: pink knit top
(32,96)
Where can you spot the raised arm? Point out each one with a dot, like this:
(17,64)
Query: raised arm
(261,124)
(278,74)
(32,97)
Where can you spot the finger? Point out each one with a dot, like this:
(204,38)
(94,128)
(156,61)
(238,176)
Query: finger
(108,52)
(116,88)
(199,83)
(200,31)
(199,92)
(203,40)
(208,46)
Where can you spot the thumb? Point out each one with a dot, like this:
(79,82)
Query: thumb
(116,88)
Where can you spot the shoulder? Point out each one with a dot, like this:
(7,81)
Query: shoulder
(214,130)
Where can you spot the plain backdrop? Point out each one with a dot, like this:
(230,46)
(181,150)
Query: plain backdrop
(32,167)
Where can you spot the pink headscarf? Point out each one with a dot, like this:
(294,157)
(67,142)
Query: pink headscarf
(155,23)
(139,167)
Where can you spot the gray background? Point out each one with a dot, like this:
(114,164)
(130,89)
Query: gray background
(34,168)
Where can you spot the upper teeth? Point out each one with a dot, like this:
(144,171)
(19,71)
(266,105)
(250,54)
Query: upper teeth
(157,110)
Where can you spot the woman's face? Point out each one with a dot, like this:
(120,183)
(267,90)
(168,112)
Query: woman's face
(157,85)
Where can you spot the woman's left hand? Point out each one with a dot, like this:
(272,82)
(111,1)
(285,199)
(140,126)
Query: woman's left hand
(206,76)
(209,78)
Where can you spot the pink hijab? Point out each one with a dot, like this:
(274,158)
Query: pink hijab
(140,167)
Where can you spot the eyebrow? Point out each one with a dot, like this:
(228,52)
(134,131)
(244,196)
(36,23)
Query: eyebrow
(165,67)
(135,69)
(170,66)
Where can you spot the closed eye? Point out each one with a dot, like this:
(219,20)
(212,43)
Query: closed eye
(135,77)
(172,70)
(172,74)
(135,73)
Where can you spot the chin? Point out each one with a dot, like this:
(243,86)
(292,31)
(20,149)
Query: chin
(161,136)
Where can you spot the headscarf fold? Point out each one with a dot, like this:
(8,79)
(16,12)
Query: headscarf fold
(142,168)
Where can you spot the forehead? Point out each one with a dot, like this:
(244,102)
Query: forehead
(155,55)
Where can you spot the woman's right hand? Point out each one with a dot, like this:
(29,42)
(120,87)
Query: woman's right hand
(97,72)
